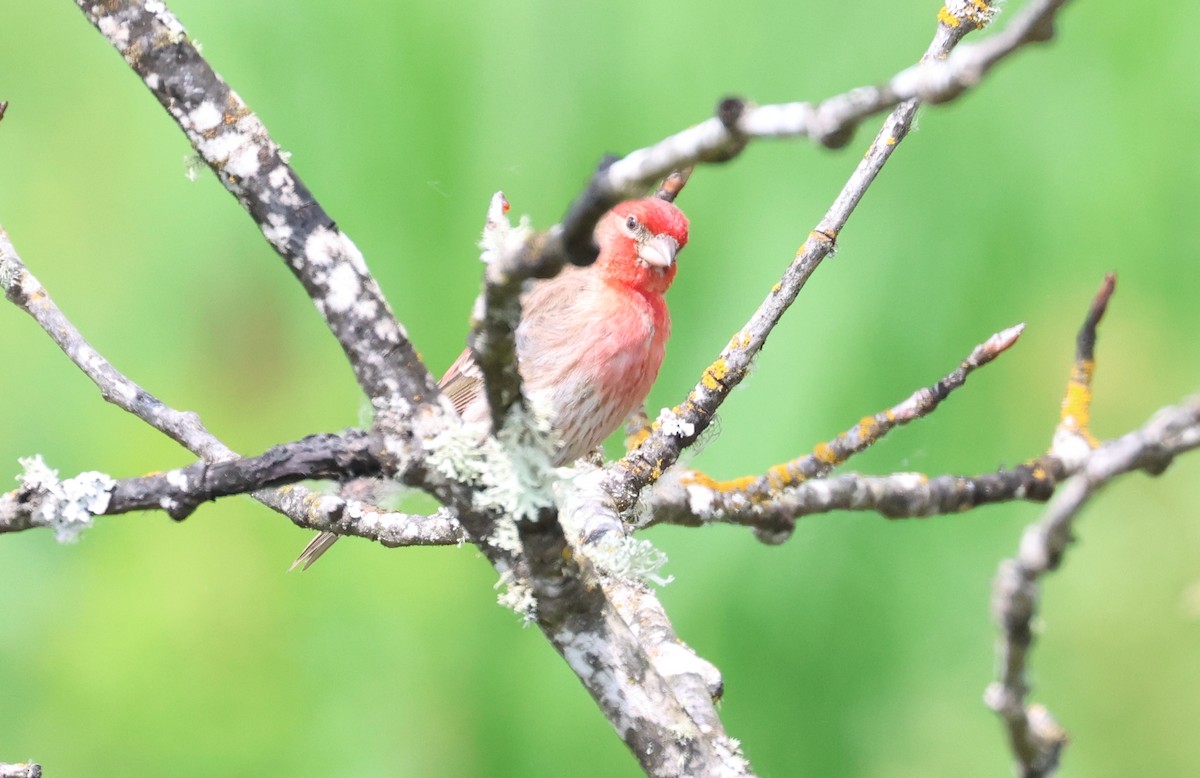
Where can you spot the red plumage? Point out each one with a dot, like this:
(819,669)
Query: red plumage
(591,340)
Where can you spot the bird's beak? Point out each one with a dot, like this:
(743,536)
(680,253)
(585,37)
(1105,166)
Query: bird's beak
(658,251)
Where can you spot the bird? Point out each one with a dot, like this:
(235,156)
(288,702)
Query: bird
(591,339)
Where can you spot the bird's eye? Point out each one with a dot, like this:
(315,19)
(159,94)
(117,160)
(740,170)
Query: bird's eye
(632,224)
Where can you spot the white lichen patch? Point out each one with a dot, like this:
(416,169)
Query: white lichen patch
(111,28)
(386,330)
(277,231)
(178,479)
(514,469)
(283,183)
(69,505)
(37,476)
(326,248)
(366,308)
(13,276)
(1070,446)
(700,499)
(280,177)
(587,514)
(204,117)
(672,425)
(500,237)
(636,559)
(344,288)
(175,31)
(234,152)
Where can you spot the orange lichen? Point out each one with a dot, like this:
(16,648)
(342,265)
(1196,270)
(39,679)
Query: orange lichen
(781,477)
(637,438)
(741,484)
(868,427)
(1077,404)
(947,18)
(825,455)
(714,375)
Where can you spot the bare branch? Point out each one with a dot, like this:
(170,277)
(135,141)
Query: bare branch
(1035,739)
(251,166)
(27,293)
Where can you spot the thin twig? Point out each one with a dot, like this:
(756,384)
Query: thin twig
(24,290)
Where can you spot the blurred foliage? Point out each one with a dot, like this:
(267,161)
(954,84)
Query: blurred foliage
(860,647)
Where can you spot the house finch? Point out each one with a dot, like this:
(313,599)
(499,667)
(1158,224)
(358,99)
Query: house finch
(591,339)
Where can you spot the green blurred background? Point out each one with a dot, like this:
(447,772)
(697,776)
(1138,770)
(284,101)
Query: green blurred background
(860,647)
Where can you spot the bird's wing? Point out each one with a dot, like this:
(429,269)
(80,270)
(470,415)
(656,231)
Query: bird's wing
(462,382)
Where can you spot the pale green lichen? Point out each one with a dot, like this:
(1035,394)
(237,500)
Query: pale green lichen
(68,505)
(633,559)
(517,597)
(193,165)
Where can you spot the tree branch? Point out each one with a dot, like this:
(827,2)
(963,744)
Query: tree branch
(1035,738)
(940,77)
(693,498)
(301,505)
(234,143)
(43,500)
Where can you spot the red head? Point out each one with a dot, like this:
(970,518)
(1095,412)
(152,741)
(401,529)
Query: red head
(638,242)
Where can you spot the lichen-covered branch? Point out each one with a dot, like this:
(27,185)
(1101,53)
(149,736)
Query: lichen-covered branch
(758,500)
(234,143)
(44,500)
(303,506)
(497,311)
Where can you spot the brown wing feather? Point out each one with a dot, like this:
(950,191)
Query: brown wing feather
(462,382)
